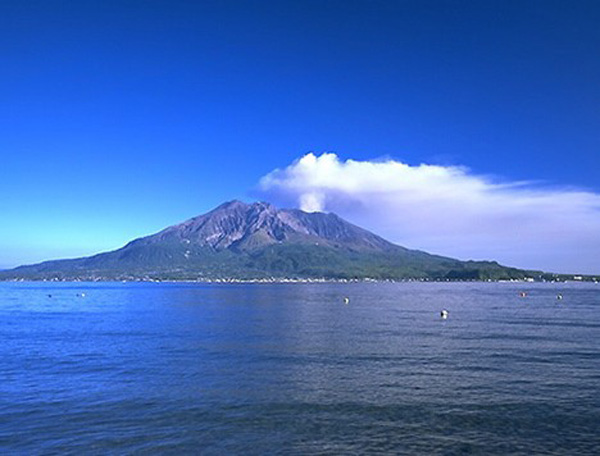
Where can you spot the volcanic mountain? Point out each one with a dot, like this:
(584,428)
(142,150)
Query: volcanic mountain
(258,241)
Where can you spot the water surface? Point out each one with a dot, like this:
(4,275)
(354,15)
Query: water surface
(290,369)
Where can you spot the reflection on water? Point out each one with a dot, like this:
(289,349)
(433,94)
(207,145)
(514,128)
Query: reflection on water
(291,369)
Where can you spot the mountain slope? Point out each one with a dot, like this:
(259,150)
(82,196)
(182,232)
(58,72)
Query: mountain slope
(245,227)
(253,241)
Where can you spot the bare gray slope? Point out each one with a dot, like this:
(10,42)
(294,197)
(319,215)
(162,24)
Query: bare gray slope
(243,227)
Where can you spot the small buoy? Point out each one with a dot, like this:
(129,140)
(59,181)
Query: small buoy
(559,296)
(444,314)
(346,300)
(49,295)
(523,294)
(81,295)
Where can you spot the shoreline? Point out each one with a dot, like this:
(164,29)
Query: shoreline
(589,279)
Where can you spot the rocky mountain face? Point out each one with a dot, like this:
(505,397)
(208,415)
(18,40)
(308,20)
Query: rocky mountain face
(246,227)
(257,241)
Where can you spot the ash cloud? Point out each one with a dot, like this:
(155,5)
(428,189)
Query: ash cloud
(449,210)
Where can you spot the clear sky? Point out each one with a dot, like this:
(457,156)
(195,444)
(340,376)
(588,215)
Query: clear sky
(121,117)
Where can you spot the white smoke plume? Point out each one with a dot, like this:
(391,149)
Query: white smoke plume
(449,210)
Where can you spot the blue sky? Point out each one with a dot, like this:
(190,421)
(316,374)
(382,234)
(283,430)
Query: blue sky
(122,117)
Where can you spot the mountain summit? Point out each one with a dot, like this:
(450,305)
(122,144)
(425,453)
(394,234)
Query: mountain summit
(259,241)
(246,227)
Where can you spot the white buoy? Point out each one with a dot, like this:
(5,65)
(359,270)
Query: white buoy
(559,297)
(444,314)
(346,300)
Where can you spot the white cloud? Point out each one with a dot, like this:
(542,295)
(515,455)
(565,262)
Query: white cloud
(449,210)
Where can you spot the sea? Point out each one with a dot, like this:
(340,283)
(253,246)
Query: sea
(292,369)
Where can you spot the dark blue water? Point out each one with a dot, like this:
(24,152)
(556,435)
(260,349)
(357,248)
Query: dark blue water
(290,369)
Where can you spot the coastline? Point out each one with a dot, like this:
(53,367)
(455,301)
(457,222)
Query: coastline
(560,278)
